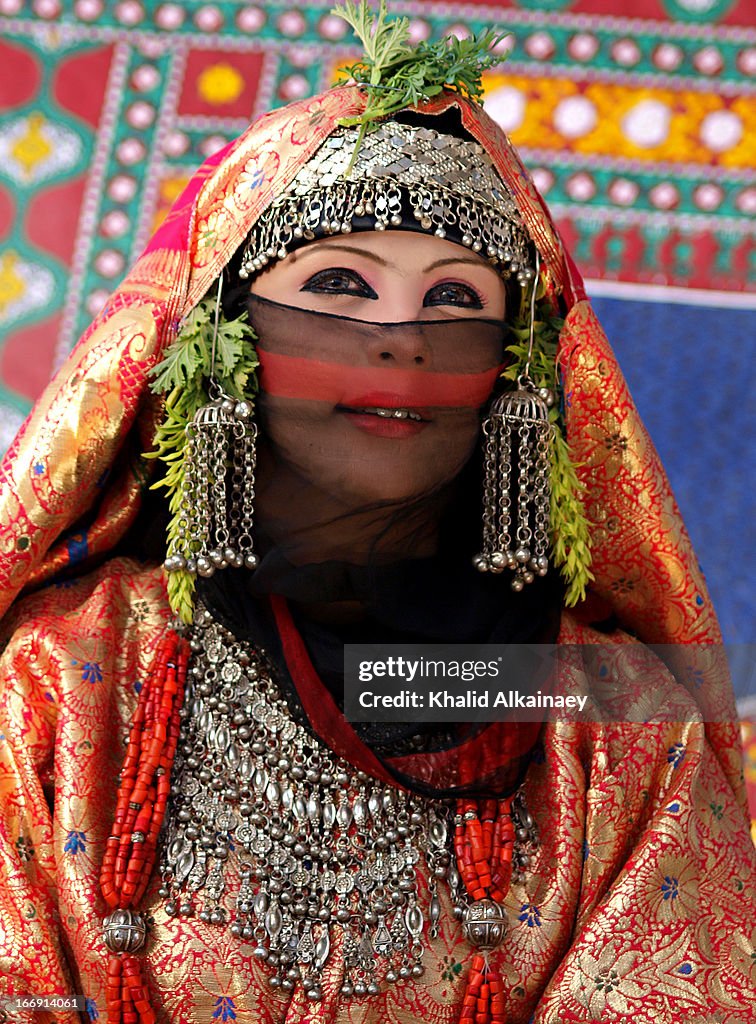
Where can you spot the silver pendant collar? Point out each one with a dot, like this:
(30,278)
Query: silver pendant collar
(272,835)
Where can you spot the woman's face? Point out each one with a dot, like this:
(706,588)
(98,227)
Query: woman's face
(370,435)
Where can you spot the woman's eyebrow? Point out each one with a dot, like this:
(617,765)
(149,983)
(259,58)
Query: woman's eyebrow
(474,261)
(312,250)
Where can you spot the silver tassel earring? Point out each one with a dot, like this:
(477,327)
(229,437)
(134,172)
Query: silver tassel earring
(518,439)
(217,513)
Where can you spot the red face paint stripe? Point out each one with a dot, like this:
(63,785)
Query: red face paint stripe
(297,377)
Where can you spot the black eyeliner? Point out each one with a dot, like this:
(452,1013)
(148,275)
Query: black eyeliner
(479,300)
(367,293)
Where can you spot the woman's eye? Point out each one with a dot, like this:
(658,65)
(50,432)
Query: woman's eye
(453,295)
(339,281)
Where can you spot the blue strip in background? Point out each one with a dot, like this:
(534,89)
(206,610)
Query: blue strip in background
(691,371)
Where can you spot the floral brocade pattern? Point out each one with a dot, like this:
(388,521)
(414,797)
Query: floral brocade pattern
(630,908)
(642,555)
(636,903)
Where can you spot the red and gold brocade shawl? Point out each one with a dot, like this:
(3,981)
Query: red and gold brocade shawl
(637,902)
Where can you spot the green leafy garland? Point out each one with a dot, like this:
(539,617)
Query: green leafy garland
(183,376)
(396,75)
(568,527)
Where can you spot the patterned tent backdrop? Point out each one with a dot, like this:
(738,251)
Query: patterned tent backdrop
(638,119)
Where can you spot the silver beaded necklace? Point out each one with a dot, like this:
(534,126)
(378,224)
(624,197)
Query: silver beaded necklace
(272,835)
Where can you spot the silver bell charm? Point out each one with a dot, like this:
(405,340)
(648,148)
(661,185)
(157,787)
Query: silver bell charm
(215,523)
(516,480)
(516,488)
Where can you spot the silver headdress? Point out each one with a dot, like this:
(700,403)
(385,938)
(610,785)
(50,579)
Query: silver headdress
(450,183)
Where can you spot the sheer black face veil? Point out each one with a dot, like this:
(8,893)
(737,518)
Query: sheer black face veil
(387,545)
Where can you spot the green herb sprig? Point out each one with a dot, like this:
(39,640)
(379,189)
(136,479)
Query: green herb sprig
(183,376)
(569,527)
(396,75)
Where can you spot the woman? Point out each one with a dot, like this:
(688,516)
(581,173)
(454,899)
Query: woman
(337,901)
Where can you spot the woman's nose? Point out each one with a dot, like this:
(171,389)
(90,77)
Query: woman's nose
(404,346)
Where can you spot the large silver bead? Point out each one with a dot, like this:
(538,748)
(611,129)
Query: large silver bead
(125,931)
(485,923)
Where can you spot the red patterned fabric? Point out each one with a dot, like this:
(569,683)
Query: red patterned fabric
(637,904)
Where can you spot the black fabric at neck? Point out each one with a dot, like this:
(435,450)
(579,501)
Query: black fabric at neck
(417,601)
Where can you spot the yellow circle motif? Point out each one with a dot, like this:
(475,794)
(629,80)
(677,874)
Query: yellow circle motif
(220,83)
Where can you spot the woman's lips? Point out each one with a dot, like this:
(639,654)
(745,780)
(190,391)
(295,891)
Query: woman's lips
(384,415)
(381,426)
